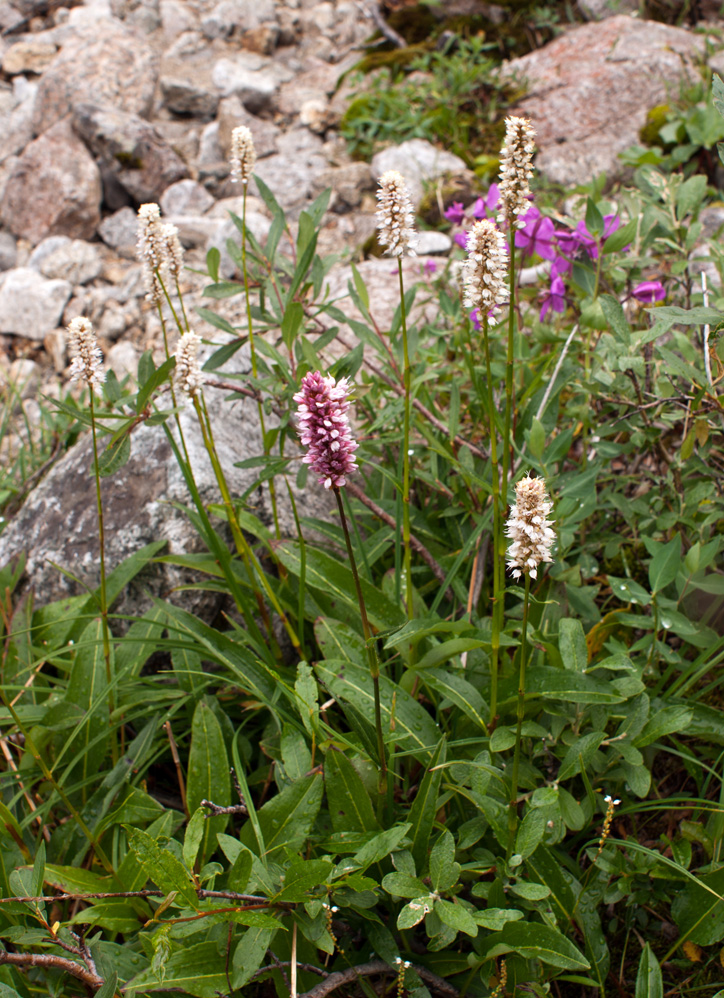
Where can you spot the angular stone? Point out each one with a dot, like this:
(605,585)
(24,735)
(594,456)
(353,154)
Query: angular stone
(58,523)
(231,16)
(30,305)
(292,172)
(29,56)
(130,150)
(111,65)
(120,231)
(75,260)
(16,117)
(8,251)
(589,91)
(54,188)
(255,88)
(348,183)
(419,162)
(184,96)
(186,197)
(231,115)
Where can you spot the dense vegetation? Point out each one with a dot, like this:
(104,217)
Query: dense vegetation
(388,764)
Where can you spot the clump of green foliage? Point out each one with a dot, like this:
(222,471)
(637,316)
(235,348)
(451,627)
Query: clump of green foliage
(550,824)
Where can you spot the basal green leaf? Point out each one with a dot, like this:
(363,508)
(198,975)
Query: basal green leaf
(208,774)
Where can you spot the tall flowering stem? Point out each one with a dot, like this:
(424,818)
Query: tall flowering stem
(484,289)
(515,173)
(322,411)
(243,158)
(87,366)
(532,538)
(189,380)
(395,226)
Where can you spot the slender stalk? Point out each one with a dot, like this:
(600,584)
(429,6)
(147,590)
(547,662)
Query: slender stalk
(251,562)
(250,325)
(407,550)
(371,657)
(103,594)
(513,806)
(497,530)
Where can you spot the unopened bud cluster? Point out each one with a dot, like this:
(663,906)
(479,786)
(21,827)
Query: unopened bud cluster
(395,215)
(87,364)
(243,154)
(486,268)
(529,528)
(158,249)
(324,428)
(516,170)
(189,377)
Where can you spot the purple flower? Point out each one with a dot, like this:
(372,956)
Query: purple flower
(324,428)
(475,320)
(649,292)
(537,235)
(429,266)
(461,238)
(568,242)
(455,212)
(487,207)
(555,298)
(561,265)
(610,224)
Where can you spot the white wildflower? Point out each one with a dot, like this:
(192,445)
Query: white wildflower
(243,154)
(395,215)
(172,250)
(189,376)
(87,362)
(529,528)
(150,249)
(485,270)
(516,170)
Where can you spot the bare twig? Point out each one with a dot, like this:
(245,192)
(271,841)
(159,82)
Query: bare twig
(372,969)
(217,809)
(373,11)
(415,544)
(54,962)
(177,764)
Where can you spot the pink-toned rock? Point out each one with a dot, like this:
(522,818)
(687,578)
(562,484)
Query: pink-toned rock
(588,92)
(106,64)
(54,188)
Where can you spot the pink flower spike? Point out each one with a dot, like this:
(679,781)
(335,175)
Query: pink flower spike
(324,428)
(455,212)
(649,292)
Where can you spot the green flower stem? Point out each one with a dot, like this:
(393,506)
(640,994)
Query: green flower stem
(407,555)
(103,593)
(371,658)
(243,547)
(272,486)
(513,806)
(497,532)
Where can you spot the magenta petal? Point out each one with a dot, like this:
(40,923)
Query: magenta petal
(649,292)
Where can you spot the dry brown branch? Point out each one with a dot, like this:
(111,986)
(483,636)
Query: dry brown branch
(54,962)
(374,968)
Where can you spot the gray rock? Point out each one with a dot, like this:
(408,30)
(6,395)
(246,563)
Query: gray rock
(46,248)
(349,183)
(242,76)
(588,91)
(130,150)
(431,243)
(231,16)
(119,231)
(122,359)
(16,117)
(419,162)
(76,261)
(186,197)
(231,115)
(30,305)
(176,17)
(8,251)
(293,171)
(210,152)
(111,65)
(185,96)
(53,189)
(598,10)
(57,522)
(142,14)
(28,56)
